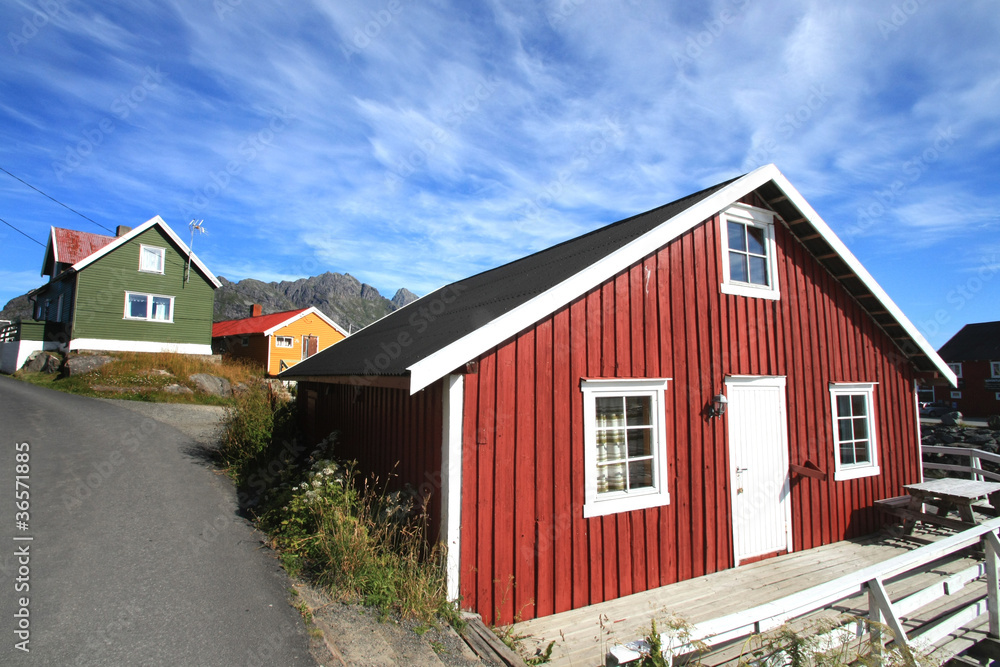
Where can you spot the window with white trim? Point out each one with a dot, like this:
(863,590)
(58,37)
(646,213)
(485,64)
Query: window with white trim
(151,258)
(995,369)
(149,307)
(956,394)
(956,369)
(856,453)
(625,453)
(749,265)
(284,341)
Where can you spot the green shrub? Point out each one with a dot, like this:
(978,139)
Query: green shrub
(357,538)
(252,427)
(350,534)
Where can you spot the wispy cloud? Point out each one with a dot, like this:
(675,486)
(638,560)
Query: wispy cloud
(423,142)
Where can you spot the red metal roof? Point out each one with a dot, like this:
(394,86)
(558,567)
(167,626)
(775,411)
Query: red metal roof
(251,325)
(72,246)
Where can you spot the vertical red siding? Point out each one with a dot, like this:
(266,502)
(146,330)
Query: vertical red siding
(392,435)
(526,548)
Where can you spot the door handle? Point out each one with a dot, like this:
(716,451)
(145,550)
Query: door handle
(741,470)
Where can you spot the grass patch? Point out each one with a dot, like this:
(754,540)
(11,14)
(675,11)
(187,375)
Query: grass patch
(144,376)
(357,539)
(349,534)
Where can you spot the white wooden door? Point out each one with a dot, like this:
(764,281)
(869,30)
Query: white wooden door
(758,451)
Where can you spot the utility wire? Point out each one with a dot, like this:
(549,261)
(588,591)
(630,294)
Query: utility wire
(20,232)
(56,201)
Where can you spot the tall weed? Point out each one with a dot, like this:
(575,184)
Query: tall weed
(357,538)
(349,533)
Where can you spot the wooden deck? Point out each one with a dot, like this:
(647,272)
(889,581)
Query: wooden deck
(583,636)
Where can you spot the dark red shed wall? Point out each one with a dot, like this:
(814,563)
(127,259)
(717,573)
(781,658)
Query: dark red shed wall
(391,434)
(527,551)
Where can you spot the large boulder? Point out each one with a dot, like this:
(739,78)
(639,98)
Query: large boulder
(177,389)
(212,384)
(279,390)
(85,363)
(951,418)
(42,362)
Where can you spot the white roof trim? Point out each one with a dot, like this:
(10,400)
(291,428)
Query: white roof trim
(852,262)
(55,253)
(311,310)
(122,240)
(55,247)
(440,363)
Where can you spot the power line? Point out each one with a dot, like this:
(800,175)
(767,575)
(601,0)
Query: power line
(56,201)
(20,232)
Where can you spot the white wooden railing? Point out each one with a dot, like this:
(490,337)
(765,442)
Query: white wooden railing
(870,580)
(8,332)
(975,456)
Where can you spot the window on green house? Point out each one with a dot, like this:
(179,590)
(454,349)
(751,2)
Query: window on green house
(149,307)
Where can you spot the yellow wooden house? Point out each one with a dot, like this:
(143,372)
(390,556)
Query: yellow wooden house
(277,341)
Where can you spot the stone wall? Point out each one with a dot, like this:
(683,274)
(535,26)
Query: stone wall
(985,439)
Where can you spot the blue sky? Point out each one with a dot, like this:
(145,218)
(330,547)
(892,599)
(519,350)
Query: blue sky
(415,143)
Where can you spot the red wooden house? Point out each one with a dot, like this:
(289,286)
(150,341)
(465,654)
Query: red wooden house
(563,410)
(974,355)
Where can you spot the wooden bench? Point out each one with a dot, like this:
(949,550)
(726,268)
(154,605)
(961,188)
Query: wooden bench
(899,506)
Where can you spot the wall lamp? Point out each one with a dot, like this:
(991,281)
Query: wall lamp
(719,403)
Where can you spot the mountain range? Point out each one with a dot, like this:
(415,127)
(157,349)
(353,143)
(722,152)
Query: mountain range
(341,297)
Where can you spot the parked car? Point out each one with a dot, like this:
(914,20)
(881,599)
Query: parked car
(935,409)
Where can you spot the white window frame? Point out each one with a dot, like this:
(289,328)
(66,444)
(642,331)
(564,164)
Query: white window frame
(59,307)
(854,470)
(163,258)
(761,219)
(995,369)
(624,501)
(956,395)
(279,339)
(957,369)
(149,307)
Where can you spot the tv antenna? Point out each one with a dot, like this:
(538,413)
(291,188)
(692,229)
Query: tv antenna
(194,226)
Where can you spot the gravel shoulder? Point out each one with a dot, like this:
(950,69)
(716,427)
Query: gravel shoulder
(201,423)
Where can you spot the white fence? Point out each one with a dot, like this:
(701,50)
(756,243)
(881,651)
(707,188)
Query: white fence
(870,580)
(975,456)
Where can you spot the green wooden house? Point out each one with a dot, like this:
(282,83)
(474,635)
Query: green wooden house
(130,292)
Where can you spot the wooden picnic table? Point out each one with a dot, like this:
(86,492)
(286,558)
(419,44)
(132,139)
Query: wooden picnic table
(949,493)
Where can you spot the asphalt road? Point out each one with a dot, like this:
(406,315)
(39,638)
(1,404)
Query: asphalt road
(137,556)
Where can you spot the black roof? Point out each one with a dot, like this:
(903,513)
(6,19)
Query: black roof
(974,342)
(408,335)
